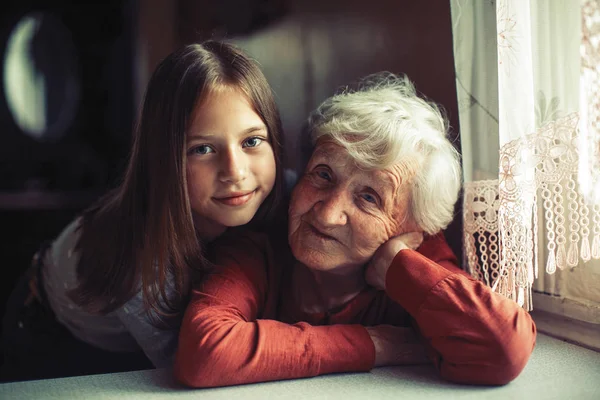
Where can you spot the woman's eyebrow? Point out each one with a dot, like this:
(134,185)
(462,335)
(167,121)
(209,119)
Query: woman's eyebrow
(389,181)
(386,185)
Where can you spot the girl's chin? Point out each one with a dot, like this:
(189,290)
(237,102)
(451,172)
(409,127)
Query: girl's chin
(236,222)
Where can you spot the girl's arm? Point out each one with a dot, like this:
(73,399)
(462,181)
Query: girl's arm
(158,343)
(225,339)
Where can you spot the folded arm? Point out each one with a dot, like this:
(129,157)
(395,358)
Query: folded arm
(475,335)
(225,339)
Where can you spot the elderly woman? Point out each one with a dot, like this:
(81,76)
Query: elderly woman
(368,279)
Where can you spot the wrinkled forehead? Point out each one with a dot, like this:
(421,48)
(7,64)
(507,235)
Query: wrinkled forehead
(332,153)
(336,156)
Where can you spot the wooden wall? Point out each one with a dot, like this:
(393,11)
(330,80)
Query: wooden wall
(316,46)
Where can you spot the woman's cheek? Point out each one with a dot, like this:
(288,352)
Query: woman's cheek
(372,233)
(303,197)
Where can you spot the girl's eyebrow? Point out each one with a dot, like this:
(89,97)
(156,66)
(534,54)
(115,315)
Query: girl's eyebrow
(253,129)
(247,131)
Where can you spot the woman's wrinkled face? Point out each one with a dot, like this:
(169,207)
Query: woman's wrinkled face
(230,162)
(340,214)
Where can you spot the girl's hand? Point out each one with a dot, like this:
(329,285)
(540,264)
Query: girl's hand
(383,257)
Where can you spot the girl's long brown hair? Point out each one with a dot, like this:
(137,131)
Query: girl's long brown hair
(142,231)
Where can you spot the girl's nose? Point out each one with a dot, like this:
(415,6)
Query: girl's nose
(234,167)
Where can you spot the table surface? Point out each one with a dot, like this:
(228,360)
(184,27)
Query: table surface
(556,370)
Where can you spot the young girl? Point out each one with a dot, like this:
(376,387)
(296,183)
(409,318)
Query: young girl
(205,157)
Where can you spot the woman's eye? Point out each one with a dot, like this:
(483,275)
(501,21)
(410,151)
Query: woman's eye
(252,142)
(203,149)
(324,175)
(369,197)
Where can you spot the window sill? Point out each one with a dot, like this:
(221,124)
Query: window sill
(556,370)
(568,319)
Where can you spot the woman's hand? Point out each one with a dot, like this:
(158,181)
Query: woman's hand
(383,257)
(396,346)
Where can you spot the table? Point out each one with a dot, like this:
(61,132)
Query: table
(556,370)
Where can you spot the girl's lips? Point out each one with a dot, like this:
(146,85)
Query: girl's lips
(236,200)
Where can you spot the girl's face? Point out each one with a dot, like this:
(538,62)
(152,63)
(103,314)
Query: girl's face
(230,162)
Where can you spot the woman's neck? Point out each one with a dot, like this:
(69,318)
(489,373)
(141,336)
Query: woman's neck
(321,291)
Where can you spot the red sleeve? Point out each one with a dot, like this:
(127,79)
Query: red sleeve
(223,340)
(475,336)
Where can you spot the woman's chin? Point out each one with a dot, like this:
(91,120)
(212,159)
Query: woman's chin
(314,260)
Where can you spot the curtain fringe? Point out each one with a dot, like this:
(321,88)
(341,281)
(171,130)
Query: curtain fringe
(501,216)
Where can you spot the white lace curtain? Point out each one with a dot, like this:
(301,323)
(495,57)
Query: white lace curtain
(528,84)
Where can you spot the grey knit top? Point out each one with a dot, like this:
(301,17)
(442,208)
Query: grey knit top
(126,329)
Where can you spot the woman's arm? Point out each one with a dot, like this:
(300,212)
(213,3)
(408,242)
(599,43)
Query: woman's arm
(476,336)
(225,338)
(395,345)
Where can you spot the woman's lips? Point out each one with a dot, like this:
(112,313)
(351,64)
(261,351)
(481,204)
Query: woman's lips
(320,234)
(236,199)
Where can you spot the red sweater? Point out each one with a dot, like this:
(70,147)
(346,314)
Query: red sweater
(242,325)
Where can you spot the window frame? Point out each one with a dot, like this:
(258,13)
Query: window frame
(576,321)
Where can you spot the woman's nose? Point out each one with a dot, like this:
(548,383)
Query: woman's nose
(234,166)
(331,210)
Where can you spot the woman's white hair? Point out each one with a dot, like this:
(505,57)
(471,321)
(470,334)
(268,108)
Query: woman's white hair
(382,123)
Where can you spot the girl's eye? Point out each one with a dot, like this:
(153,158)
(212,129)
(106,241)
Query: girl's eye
(202,149)
(252,142)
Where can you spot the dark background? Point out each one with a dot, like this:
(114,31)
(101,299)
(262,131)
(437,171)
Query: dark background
(307,49)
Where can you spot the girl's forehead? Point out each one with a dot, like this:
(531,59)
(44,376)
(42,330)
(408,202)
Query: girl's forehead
(215,93)
(222,107)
